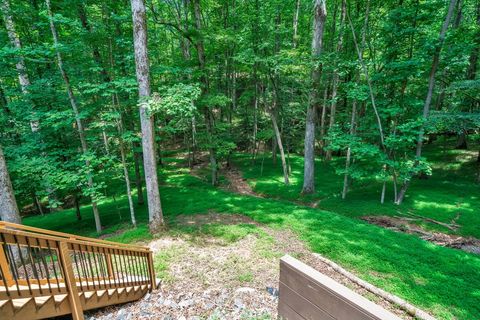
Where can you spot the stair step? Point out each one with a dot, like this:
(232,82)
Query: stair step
(20,303)
(88,294)
(120,290)
(3,303)
(100,293)
(111,292)
(129,289)
(40,301)
(136,288)
(59,298)
(144,287)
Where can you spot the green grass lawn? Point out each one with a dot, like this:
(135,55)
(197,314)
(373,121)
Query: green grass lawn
(443,281)
(450,192)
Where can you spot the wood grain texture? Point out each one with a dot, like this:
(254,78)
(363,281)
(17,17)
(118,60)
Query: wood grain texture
(70,292)
(306,293)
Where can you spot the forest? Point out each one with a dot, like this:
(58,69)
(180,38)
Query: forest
(354,124)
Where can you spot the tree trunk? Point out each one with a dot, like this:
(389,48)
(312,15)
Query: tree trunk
(8,205)
(127,178)
(353,120)
(194,141)
(73,103)
(428,99)
(323,118)
(209,119)
(77,206)
(473,60)
(274,149)
(23,78)
(478,167)
(320,13)
(280,145)
(82,14)
(335,80)
(38,204)
(431,79)
(105,142)
(155,214)
(462,141)
(295,22)
(138,176)
(349,151)
(255,123)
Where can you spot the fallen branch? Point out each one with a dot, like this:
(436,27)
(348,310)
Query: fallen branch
(404,305)
(454,220)
(452,226)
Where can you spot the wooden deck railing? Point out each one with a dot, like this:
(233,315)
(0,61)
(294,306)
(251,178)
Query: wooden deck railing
(45,273)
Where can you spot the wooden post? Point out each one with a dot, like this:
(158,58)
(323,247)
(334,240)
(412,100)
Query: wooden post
(109,265)
(151,270)
(4,266)
(73,297)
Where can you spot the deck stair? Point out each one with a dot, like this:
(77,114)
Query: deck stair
(47,274)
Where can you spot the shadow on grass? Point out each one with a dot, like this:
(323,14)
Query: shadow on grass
(443,281)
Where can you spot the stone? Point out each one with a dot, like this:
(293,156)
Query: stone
(159,302)
(239,303)
(209,306)
(121,314)
(185,303)
(245,290)
(272,291)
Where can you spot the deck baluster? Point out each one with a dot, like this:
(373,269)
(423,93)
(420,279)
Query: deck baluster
(84,265)
(122,256)
(23,264)
(91,269)
(78,269)
(33,264)
(47,272)
(53,266)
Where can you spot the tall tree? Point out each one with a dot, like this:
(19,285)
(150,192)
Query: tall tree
(428,99)
(209,117)
(155,214)
(274,107)
(8,204)
(320,15)
(78,119)
(20,65)
(336,75)
(295,24)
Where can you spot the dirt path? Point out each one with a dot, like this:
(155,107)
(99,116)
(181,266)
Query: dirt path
(206,277)
(238,184)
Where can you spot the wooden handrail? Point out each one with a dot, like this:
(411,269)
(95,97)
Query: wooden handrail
(36,262)
(4,224)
